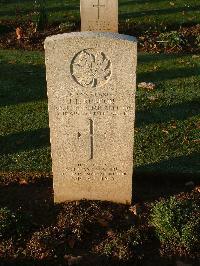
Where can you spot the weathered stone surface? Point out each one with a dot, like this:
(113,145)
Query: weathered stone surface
(91,93)
(99,15)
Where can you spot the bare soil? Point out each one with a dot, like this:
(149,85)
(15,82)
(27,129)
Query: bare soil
(74,233)
(28,38)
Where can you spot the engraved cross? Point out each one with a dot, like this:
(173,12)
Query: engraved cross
(91,139)
(98,6)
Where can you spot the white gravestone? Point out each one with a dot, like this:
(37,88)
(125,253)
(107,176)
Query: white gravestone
(91,80)
(99,15)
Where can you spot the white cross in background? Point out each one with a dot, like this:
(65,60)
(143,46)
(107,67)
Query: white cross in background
(98,6)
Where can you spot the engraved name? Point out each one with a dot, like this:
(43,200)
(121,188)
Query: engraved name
(95,104)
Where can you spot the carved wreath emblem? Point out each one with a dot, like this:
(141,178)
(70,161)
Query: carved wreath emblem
(91,68)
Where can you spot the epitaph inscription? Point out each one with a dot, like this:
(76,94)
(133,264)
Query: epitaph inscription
(99,15)
(91,84)
(99,173)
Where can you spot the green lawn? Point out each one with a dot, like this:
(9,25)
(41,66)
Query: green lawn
(141,12)
(167,125)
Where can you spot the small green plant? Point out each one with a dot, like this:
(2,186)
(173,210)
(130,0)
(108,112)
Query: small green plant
(42,20)
(14,223)
(176,222)
(197,42)
(172,39)
(191,233)
(23,223)
(124,245)
(67,26)
(6,221)
(48,242)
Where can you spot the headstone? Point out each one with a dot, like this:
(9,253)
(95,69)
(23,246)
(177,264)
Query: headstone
(91,97)
(99,15)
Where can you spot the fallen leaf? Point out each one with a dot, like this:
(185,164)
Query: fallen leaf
(23,182)
(197,189)
(72,260)
(12,62)
(195,56)
(102,222)
(152,98)
(172,3)
(107,216)
(42,256)
(135,209)
(71,242)
(196,140)
(173,126)
(147,85)
(19,142)
(165,131)
(110,233)
(19,33)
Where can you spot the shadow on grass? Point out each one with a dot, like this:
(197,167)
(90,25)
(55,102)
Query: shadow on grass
(144,58)
(21,83)
(24,141)
(90,260)
(158,12)
(15,2)
(130,3)
(164,114)
(175,168)
(162,75)
(165,178)
(24,11)
(35,198)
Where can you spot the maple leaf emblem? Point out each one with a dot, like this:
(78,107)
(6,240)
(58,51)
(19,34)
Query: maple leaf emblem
(91,68)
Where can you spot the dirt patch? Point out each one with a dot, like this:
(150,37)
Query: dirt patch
(83,232)
(25,36)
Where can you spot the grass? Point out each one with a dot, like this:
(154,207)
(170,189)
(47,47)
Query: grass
(142,12)
(176,222)
(167,118)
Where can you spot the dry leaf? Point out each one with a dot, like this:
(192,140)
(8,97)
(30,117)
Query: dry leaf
(147,85)
(165,131)
(72,260)
(195,56)
(173,126)
(42,256)
(196,140)
(71,242)
(19,33)
(110,233)
(23,182)
(152,98)
(197,189)
(102,222)
(134,209)
(19,142)
(12,62)
(107,216)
